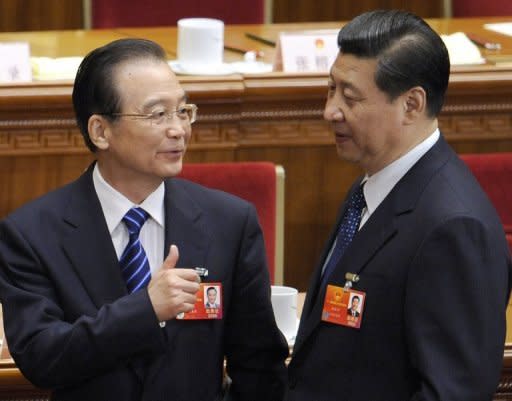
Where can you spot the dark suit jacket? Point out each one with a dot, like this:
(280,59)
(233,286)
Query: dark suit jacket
(72,327)
(434,264)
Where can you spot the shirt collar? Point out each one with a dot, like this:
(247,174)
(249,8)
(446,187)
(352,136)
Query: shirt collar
(115,205)
(380,184)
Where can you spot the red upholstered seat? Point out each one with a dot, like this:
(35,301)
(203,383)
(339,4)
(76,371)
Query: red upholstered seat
(136,13)
(494,173)
(255,182)
(477,8)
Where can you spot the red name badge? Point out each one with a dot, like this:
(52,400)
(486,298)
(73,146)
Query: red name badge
(208,303)
(343,306)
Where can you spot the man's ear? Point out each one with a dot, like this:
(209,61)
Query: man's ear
(414,103)
(98,129)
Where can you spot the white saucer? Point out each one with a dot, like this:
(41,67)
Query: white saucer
(220,69)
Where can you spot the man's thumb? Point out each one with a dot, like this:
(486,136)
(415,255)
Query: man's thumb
(172,258)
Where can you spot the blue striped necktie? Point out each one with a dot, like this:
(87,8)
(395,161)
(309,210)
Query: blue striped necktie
(134,262)
(347,230)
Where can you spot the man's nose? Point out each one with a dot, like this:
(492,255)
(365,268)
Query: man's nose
(332,111)
(175,129)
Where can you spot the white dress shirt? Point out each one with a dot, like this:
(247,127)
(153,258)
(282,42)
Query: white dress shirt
(115,205)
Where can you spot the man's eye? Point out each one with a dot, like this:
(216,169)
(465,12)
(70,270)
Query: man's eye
(158,116)
(182,112)
(349,98)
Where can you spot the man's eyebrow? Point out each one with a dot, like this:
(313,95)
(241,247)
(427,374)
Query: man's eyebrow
(158,100)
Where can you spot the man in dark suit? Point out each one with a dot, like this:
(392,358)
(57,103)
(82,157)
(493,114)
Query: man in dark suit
(417,237)
(89,299)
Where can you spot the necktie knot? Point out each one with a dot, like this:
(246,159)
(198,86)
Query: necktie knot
(357,200)
(134,219)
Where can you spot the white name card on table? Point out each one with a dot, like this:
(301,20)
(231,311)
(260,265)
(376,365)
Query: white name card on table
(306,51)
(15,62)
(461,49)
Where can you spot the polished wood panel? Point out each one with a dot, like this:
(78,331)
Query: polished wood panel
(336,10)
(37,15)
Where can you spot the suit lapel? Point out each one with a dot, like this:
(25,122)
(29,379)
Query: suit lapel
(376,232)
(88,244)
(185,226)
(317,274)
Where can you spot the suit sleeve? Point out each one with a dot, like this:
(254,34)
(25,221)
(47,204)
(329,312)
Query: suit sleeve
(255,348)
(50,350)
(456,299)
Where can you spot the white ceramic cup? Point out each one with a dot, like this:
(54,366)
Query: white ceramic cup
(284,303)
(200,43)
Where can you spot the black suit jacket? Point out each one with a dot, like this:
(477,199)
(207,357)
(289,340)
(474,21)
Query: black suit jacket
(72,327)
(434,264)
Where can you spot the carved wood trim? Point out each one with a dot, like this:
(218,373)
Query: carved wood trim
(231,130)
(39,123)
(479,108)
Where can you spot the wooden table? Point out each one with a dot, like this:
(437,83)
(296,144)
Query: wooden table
(274,116)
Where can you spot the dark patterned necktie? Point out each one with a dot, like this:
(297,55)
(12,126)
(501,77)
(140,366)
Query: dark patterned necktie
(134,262)
(348,228)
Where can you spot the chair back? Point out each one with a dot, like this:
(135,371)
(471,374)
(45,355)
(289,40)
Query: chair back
(494,173)
(260,183)
(135,13)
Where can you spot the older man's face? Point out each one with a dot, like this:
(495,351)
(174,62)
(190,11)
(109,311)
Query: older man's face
(140,149)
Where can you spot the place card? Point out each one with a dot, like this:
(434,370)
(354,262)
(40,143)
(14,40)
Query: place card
(306,51)
(47,68)
(15,62)
(461,49)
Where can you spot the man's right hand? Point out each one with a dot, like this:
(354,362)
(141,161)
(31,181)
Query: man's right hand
(171,290)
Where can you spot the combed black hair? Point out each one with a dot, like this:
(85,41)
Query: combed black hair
(408,51)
